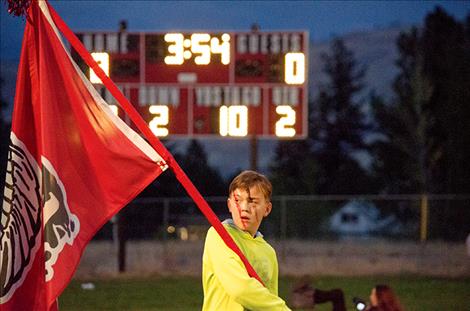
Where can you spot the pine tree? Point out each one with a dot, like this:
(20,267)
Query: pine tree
(426,143)
(402,157)
(206,179)
(4,138)
(338,125)
(446,48)
(293,169)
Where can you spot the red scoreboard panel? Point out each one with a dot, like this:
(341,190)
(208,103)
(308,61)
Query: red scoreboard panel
(214,84)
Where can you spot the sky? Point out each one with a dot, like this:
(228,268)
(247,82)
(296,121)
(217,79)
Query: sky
(322,19)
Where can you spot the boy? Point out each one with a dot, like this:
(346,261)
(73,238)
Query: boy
(226,283)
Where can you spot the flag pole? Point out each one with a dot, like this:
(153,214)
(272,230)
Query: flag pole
(153,140)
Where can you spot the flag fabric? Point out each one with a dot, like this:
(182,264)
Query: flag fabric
(72,164)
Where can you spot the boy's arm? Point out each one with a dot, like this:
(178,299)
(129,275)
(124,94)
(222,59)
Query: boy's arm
(233,277)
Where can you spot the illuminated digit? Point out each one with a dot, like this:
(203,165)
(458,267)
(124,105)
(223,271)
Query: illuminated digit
(238,120)
(223,120)
(284,126)
(233,120)
(160,121)
(102,59)
(295,68)
(223,48)
(176,49)
(199,44)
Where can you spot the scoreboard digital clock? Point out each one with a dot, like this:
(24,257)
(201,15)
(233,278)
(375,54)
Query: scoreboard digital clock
(214,84)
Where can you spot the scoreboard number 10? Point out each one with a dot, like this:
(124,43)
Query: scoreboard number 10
(233,121)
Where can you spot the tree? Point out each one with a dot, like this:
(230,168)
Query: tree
(206,179)
(293,169)
(402,160)
(4,137)
(338,125)
(166,185)
(446,49)
(426,143)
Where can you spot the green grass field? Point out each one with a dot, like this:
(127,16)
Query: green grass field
(185,293)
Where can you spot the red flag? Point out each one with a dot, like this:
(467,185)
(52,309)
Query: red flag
(72,165)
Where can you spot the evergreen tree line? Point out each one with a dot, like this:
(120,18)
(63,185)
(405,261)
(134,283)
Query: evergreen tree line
(416,143)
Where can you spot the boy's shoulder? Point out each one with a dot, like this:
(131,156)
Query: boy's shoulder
(211,233)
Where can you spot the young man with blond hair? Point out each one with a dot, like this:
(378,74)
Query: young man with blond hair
(226,283)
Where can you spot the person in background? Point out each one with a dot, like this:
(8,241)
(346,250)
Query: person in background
(383,298)
(468,244)
(304,296)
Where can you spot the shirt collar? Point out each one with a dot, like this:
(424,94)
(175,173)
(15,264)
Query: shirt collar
(231,223)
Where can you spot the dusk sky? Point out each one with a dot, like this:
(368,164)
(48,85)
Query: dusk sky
(323,19)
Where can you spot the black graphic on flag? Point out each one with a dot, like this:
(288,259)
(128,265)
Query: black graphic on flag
(60,225)
(20,219)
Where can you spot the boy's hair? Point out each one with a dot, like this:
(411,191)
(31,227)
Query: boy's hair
(247,179)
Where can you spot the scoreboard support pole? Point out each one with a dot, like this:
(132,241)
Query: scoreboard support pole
(254,153)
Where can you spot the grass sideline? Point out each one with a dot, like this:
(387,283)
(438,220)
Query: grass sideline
(185,293)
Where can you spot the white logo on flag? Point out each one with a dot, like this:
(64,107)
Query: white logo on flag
(60,225)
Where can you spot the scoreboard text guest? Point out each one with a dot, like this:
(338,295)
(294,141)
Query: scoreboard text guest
(214,84)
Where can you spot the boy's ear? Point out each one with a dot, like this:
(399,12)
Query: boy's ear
(269,207)
(228,203)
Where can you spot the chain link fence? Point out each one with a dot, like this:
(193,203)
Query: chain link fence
(398,217)
(316,235)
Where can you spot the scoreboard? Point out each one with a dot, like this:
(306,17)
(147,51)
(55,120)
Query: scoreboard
(213,84)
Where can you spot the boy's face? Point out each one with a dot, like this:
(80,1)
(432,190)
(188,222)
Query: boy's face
(248,208)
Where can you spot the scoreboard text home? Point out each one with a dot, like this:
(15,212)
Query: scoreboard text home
(218,84)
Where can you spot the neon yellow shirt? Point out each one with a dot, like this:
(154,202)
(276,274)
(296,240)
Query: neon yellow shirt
(226,283)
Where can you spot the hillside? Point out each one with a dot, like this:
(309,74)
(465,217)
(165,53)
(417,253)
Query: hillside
(376,50)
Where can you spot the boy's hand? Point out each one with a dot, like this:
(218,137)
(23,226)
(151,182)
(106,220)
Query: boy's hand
(302,295)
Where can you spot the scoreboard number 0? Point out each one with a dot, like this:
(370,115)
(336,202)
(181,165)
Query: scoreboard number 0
(295,68)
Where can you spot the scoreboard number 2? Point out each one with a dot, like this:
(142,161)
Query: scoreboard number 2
(159,123)
(285,125)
